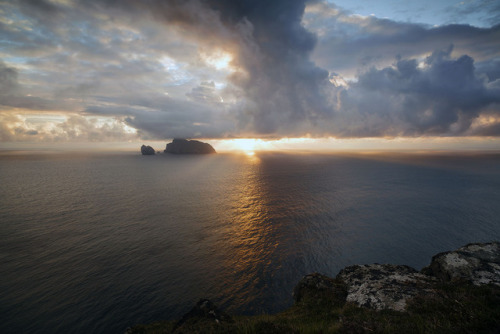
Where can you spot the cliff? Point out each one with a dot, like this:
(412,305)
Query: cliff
(459,292)
(183,146)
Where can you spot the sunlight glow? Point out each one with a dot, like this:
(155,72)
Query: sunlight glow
(220,60)
(485,120)
(247,145)
(250,146)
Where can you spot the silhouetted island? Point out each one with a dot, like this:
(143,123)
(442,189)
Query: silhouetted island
(147,150)
(184,146)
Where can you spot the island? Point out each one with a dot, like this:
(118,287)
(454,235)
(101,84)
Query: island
(147,150)
(184,146)
(459,292)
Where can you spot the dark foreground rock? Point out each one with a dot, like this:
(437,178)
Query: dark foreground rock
(384,286)
(183,146)
(459,292)
(477,263)
(203,312)
(388,286)
(147,150)
(320,288)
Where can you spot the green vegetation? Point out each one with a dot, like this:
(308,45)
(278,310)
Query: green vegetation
(454,308)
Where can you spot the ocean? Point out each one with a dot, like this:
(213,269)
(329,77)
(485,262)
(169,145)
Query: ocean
(94,243)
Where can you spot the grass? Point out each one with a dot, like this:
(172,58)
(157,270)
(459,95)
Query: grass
(455,308)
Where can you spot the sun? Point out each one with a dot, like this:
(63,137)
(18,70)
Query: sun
(246,145)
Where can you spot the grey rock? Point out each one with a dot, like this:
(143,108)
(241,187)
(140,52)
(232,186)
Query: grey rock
(384,286)
(183,146)
(478,263)
(147,150)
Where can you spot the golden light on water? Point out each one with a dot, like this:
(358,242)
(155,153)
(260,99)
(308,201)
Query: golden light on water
(251,236)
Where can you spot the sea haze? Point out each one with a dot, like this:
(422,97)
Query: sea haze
(95,243)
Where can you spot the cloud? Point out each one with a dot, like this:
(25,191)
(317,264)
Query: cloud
(162,116)
(12,93)
(442,96)
(489,69)
(8,80)
(279,88)
(485,10)
(236,68)
(282,87)
(205,93)
(348,43)
(57,128)
(273,86)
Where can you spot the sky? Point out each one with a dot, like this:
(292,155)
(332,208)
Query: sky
(327,73)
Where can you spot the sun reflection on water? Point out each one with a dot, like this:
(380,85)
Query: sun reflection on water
(250,237)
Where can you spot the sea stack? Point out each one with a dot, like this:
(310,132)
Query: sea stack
(147,150)
(184,146)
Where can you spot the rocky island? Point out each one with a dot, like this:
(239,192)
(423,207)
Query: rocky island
(184,146)
(147,150)
(459,292)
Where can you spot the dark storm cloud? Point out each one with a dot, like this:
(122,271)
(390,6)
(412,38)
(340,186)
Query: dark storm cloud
(444,97)
(281,86)
(490,69)
(284,88)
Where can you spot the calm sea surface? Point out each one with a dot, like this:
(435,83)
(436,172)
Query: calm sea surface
(96,243)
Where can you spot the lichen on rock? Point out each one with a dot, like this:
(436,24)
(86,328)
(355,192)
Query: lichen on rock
(384,286)
(478,263)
